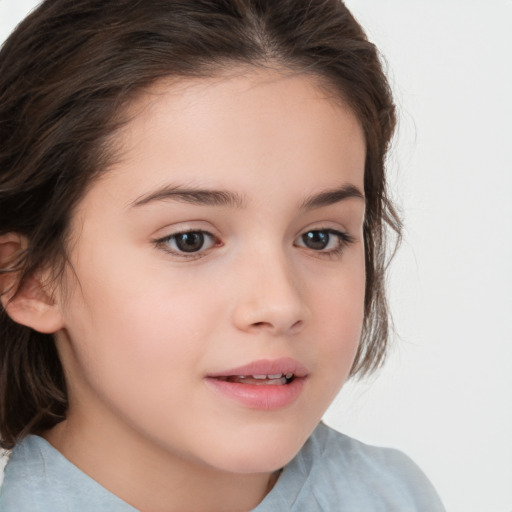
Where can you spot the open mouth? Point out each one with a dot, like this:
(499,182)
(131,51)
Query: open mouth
(265,384)
(277,379)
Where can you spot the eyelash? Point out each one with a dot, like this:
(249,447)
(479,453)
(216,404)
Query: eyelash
(344,240)
(163,243)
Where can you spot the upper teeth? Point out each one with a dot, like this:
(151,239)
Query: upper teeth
(271,376)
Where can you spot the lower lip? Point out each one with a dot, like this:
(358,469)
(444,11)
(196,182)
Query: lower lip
(263,397)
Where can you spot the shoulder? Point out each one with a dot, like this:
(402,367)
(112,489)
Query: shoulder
(363,477)
(40,479)
(25,461)
(337,448)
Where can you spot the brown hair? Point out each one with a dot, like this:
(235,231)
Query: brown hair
(65,74)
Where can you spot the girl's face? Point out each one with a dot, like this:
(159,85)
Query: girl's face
(225,244)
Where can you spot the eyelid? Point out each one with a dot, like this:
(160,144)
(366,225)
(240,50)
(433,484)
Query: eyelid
(344,240)
(162,243)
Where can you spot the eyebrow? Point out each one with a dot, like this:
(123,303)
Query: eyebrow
(332,196)
(201,197)
(206,197)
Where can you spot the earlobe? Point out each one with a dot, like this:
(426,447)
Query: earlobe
(30,304)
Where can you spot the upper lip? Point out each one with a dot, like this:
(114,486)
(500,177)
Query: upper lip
(282,365)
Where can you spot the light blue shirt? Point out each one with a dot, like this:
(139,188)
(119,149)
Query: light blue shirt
(332,472)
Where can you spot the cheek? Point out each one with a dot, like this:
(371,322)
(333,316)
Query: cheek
(135,318)
(133,353)
(339,320)
(344,289)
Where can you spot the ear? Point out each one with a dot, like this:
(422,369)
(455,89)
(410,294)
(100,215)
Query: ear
(33,304)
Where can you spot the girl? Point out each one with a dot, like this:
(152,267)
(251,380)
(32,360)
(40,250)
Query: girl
(193,213)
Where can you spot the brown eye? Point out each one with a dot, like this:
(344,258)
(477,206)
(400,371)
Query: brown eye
(188,242)
(316,240)
(327,242)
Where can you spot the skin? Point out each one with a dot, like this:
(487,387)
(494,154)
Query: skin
(140,325)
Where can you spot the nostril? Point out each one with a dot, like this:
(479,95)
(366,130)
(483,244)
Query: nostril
(297,325)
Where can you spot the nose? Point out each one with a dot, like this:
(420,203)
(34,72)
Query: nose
(269,299)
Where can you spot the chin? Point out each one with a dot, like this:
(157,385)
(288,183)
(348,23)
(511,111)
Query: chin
(264,453)
(265,461)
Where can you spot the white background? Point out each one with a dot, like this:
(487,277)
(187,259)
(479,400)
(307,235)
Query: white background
(445,395)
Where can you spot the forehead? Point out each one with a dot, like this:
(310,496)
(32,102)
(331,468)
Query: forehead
(234,127)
